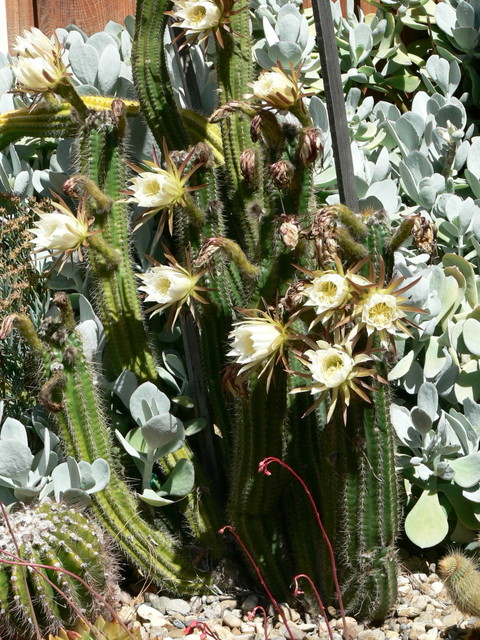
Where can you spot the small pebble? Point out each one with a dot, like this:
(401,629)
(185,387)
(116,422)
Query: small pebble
(231,620)
(436,587)
(151,614)
(295,632)
(228,604)
(371,634)
(250,603)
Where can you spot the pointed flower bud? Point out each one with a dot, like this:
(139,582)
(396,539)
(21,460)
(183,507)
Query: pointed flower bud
(247,165)
(310,145)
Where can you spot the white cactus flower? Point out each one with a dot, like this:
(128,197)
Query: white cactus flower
(59,231)
(276,88)
(380,312)
(156,190)
(255,341)
(327,292)
(197,15)
(168,285)
(34,43)
(36,74)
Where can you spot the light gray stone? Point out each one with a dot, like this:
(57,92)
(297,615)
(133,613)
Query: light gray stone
(371,634)
(177,605)
(416,630)
(295,632)
(231,620)
(151,614)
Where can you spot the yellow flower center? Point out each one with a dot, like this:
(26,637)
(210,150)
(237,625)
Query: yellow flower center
(381,314)
(333,363)
(197,14)
(327,292)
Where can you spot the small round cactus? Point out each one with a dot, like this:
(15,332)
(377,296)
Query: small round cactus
(64,539)
(461,578)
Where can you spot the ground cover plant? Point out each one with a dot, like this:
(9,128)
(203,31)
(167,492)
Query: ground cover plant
(203,301)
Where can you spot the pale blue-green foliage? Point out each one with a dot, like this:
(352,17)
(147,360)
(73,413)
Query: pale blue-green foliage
(25,477)
(268,9)
(438,452)
(287,41)
(460,20)
(158,434)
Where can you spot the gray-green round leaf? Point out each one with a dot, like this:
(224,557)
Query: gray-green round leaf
(15,458)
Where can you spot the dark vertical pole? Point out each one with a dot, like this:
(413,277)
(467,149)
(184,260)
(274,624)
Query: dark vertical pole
(337,116)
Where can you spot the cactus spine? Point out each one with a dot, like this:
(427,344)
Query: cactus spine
(51,534)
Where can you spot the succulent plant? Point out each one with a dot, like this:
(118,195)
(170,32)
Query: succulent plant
(51,535)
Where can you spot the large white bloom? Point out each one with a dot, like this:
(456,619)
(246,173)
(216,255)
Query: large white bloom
(59,232)
(36,74)
(197,15)
(380,312)
(156,190)
(254,341)
(39,66)
(34,43)
(328,291)
(330,367)
(167,285)
(276,89)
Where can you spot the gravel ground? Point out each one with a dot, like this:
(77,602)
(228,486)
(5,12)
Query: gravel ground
(422,612)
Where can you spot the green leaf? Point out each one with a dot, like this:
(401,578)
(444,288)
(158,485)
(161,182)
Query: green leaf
(426,524)
(181,480)
(466,269)
(467,470)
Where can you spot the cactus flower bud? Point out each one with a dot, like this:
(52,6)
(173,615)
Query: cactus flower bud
(247,165)
(282,173)
(310,146)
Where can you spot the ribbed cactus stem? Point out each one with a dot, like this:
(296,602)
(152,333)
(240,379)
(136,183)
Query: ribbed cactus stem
(127,347)
(85,432)
(151,75)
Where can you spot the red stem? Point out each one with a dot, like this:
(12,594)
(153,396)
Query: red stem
(263,468)
(260,577)
(298,592)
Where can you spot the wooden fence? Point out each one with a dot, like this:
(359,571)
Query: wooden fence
(89,15)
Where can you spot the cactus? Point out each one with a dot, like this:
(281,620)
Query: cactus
(461,578)
(294,291)
(54,536)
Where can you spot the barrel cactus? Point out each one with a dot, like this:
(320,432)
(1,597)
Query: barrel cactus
(44,548)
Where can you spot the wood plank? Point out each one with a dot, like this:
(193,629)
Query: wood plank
(89,15)
(20,16)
